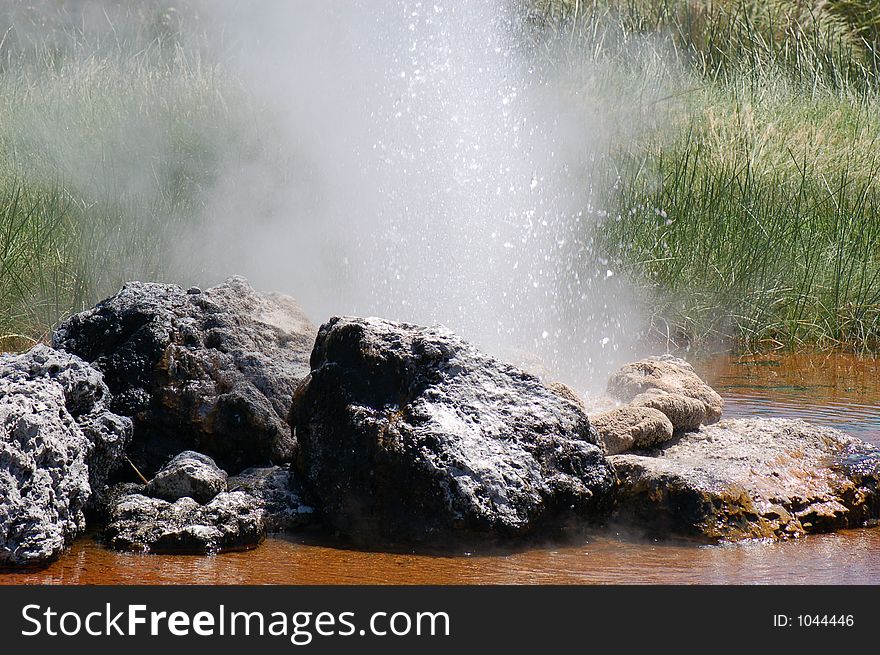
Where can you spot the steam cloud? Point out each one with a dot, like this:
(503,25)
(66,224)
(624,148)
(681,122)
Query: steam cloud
(434,168)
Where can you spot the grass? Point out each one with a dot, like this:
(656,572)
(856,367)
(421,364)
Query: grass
(748,214)
(106,148)
(744,206)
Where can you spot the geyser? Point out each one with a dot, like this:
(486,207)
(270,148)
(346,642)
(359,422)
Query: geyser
(442,167)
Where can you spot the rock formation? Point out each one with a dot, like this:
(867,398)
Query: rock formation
(670,385)
(212,371)
(383,432)
(751,478)
(58,444)
(410,433)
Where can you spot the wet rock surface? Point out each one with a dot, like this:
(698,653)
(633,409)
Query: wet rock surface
(44,484)
(751,478)
(278,495)
(631,428)
(409,433)
(646,381)
(189,474)
(231,521)
(210,370)
(384,432)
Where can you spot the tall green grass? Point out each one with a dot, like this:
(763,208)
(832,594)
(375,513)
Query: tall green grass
(749,210)
(107,146)
(736,182)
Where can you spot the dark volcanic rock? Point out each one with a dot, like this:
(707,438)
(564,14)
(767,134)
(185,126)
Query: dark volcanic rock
(410,433)
(212,371)
(231,521)
(44,483)
(189,474)
(85,398)
(648,381)
(752,478)
(278,495)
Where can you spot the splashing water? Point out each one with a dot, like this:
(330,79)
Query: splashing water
(444,179)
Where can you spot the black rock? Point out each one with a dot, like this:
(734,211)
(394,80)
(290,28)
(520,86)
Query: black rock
(213,371)
(409,433)
(279,496)
(231,521)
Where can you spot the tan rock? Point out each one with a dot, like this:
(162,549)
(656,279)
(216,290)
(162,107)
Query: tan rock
(684,413)
(671,375)
(631,428)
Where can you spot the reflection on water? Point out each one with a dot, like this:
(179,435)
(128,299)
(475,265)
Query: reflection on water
(837,390)
(846,557)
(840,391)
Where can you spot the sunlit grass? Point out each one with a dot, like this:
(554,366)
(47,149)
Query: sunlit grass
(737,178)
(748,212)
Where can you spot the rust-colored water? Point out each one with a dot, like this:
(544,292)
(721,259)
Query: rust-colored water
(839,390)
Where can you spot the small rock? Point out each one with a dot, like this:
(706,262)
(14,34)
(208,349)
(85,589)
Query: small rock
(684,413)
(189,474)
(631,428)
(231,521)
(670,375)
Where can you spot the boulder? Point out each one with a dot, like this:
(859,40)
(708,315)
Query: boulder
(231,521)
(409,433)
(44,480)
(669,375)
(212,371)
(752,478)
(85,399)
(631,428)
(189,474)
(278,495)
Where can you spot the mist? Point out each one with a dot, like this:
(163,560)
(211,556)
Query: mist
(444,176)
(430,162)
